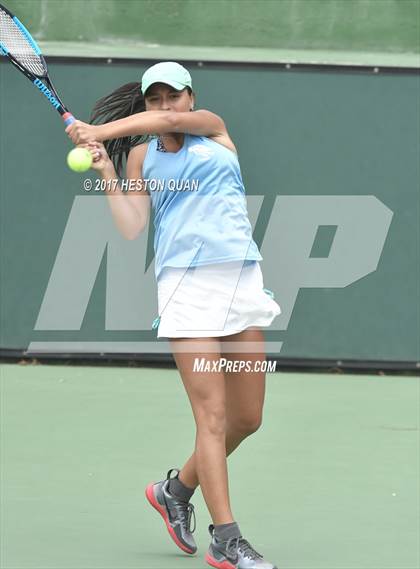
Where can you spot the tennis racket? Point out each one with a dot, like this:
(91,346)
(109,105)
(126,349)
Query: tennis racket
(17,44)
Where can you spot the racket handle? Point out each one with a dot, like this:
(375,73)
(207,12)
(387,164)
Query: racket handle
(68,118)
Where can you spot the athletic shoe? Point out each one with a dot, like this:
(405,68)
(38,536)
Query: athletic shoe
(176,514)
(235,553)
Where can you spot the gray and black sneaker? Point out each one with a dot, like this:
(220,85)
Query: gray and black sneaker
(235,553)
(176,513)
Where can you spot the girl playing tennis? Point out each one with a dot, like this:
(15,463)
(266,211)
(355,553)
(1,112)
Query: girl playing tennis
(211,300)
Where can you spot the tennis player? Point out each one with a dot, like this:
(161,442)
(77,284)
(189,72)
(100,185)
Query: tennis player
(211,296)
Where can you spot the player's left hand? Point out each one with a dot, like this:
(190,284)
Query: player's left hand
(100,159)
(81,133)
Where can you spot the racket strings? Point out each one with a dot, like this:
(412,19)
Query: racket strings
(17,44)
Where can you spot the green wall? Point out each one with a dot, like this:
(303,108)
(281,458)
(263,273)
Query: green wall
(308,133)
(360,25)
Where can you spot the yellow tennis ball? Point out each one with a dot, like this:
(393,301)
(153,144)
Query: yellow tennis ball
(79,159)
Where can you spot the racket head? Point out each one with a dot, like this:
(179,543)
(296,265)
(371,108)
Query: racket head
(18,44)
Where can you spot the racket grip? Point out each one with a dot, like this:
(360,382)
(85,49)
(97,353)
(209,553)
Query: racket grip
(68,118)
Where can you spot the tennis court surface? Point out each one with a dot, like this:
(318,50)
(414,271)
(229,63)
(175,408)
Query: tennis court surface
(339,456)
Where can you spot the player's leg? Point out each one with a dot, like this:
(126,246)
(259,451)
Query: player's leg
(206,392)
(244,397)
(170,497)
(245,389)
(245,392)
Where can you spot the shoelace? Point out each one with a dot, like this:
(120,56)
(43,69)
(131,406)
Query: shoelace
(186,513)
(248,550)
(235,543)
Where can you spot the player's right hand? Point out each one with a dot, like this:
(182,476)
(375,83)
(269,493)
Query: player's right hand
(80,132)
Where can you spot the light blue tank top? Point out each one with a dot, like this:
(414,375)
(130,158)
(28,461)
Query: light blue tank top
(199,205)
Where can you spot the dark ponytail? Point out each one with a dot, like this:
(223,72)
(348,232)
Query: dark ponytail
(123,102)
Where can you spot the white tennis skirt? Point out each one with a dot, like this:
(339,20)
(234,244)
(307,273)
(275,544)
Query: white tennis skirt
(213,300)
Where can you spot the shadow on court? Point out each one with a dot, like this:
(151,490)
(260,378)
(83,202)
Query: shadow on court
(330,481)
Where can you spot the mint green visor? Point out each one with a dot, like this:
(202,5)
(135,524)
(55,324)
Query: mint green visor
(168,72)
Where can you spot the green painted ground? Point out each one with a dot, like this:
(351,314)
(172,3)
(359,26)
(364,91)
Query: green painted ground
(127,49)
(329,482)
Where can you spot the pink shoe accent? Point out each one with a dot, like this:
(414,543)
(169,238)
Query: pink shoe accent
(223,565)
(150,495)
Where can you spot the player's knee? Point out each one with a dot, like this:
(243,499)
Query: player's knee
(247,424)
(211,421)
